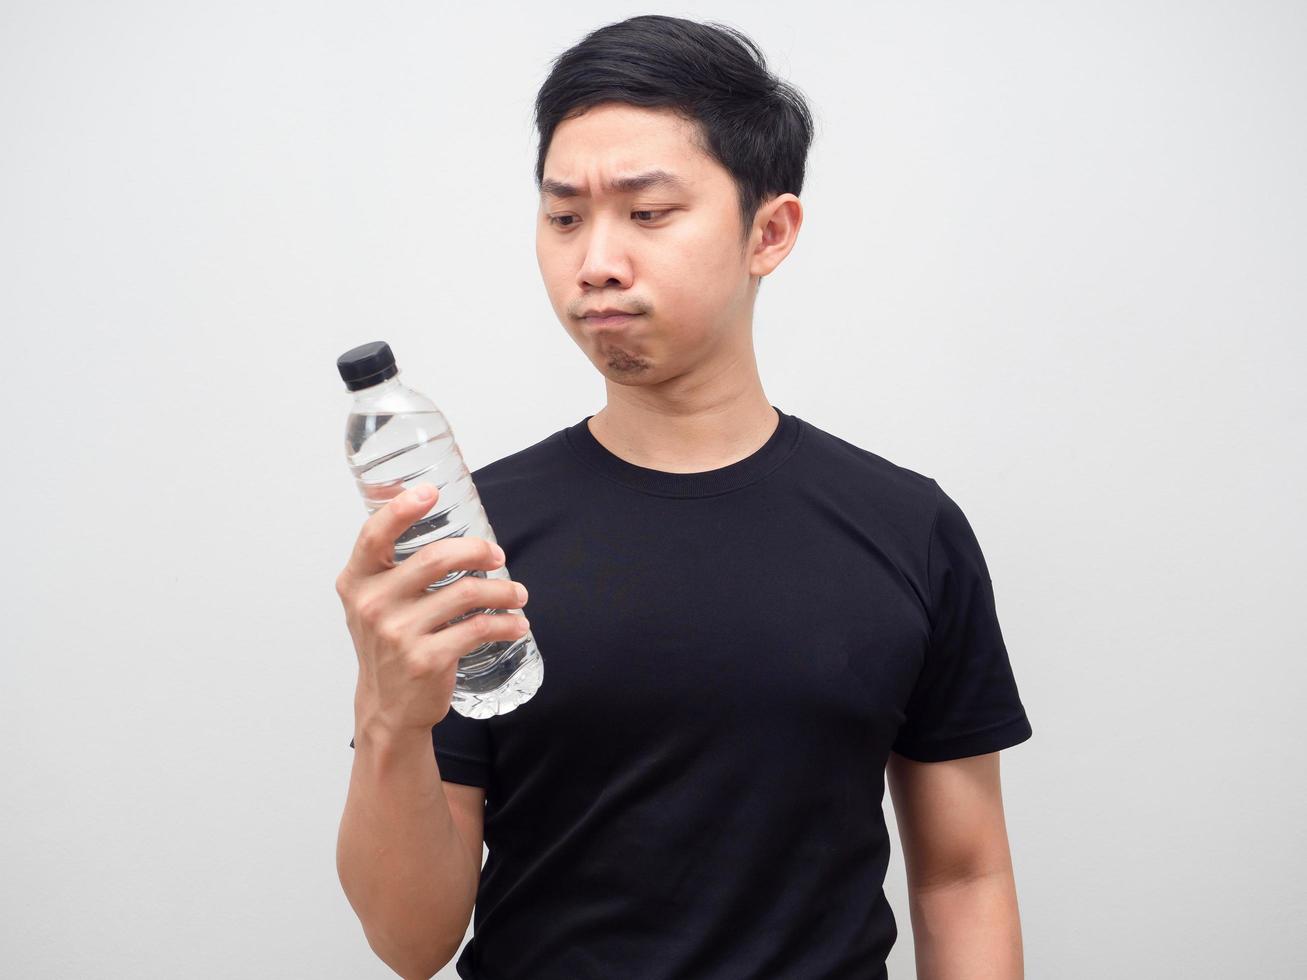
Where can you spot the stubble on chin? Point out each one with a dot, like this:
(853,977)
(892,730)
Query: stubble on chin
(623,361)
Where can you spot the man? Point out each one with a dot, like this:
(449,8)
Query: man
(746,622)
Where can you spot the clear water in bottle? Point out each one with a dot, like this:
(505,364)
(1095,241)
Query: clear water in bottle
(396,438)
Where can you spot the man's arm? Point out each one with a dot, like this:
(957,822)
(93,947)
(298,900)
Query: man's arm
(401,855)
(961,891)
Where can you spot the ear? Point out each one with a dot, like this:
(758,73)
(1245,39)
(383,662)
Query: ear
(775,230)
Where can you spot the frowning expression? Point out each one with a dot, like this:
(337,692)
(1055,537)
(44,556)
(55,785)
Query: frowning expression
(636,219)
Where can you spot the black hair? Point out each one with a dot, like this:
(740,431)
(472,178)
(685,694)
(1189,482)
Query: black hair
(755,125)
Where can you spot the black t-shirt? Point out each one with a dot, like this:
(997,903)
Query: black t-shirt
(695,791)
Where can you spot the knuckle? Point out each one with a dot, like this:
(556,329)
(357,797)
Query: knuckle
(481,590)
(369,537)
(460,593)
(416,668)
(369,608)
(432,556)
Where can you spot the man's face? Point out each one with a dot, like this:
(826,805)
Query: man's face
(669,252)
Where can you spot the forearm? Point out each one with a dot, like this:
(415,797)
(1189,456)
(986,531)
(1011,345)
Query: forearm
(968,929)
(403,865)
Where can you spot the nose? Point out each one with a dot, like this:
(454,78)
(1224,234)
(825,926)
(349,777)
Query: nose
(606,262)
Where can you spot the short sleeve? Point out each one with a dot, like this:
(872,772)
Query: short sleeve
(462,747)
(965,701)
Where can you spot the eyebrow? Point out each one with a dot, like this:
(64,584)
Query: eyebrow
(620,185)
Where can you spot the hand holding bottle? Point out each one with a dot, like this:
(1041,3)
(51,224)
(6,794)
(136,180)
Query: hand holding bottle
(408,650)
(396,439)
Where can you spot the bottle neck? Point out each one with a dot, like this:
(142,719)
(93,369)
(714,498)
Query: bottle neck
(380,390)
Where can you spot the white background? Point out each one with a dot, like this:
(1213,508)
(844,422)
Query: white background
(1052,255)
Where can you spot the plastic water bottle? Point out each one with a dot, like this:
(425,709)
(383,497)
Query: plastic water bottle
(396,438)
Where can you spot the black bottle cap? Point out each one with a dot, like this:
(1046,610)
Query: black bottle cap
(366,365)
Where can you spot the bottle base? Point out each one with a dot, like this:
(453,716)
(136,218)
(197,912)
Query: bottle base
(518,689)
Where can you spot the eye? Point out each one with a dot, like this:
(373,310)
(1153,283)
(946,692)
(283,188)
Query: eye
(569,220)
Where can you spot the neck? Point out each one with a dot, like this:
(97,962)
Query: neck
(687,431)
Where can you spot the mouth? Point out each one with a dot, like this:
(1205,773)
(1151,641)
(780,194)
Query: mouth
(613,320)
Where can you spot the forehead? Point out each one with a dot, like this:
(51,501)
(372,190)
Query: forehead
(616,148)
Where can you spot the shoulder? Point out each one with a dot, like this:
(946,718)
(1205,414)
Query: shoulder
(893,489)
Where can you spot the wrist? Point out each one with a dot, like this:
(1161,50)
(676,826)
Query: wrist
(374,725)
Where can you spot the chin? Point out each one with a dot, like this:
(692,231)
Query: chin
(616,362)
(632,371)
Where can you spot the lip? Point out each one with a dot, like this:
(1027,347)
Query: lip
(611,320)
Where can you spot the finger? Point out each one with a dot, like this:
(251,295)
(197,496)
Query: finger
(465,598)
(374,548)
(463,637)
(435,561)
